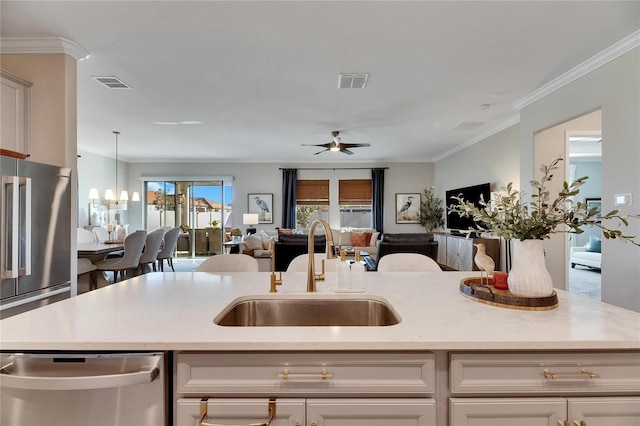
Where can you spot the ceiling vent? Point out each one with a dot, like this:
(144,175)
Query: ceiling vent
(112,82)
(352,81)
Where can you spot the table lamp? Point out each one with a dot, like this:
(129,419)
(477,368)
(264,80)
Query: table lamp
(250,219)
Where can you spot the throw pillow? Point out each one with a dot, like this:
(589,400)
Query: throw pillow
(595,244)
(374,239)
(284,231)
(360,239)
(253,242)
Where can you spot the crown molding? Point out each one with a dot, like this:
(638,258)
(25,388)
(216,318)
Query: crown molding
(43,45)
(515,119)
(620,48)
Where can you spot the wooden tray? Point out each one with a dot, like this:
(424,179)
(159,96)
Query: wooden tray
(471,287)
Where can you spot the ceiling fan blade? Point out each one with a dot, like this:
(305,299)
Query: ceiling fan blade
(354,145)
(346,151)
(320,152)
(324,145)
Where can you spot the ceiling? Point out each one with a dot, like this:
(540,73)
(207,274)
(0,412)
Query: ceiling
(261,77)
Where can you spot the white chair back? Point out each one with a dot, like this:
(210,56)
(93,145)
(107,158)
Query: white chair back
(85,236)
(300,263)
(101,234)
(229,263)
(407,262)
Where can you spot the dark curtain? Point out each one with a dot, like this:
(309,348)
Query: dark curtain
(289,189)
(377,198)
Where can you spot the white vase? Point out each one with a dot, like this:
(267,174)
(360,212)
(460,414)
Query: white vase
(528,276)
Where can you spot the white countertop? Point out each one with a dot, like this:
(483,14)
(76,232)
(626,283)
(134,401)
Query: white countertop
(175,311)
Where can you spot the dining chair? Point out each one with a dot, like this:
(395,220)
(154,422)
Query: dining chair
(151,248)
(167,250)
(300,263)
(85,236)
(84,265)
(133,245)
(407,262)
(101,234)
(229,263)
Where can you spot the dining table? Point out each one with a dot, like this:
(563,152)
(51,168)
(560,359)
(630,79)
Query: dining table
(98,251)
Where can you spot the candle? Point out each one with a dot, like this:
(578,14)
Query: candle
(113,223)
(110,227)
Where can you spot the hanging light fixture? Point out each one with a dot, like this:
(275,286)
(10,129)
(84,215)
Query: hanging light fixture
(110,195)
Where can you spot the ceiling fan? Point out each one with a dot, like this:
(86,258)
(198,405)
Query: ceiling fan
(336,145)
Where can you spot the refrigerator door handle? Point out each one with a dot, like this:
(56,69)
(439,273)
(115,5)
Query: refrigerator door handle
(25,252)
(9,235)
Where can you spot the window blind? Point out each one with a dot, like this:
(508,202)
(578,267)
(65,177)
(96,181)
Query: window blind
(312,192)
(354,192)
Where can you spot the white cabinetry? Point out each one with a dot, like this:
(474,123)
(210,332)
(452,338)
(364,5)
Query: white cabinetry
(555,389)
(14,94)
(313,388)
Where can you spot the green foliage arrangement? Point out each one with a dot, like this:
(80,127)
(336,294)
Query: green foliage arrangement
(215,223)
(431,215)
(508,217)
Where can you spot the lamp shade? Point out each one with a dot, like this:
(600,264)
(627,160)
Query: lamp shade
(108,195)
(93,194)
(135,196)
(124,196)
(250,218)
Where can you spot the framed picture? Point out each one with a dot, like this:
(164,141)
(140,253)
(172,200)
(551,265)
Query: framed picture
(407,207)
(594,203)
(262,204)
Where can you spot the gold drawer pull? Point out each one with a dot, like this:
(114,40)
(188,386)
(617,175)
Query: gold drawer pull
(203,415)
(287,375)
(579,423)
(562,423)
(583,374)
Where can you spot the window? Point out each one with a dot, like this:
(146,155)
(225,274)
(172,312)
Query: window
(355,203)
(312,201)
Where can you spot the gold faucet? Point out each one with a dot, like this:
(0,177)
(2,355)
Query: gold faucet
(311,272)
(274,282)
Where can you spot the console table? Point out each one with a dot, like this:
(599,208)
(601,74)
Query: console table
(456,252)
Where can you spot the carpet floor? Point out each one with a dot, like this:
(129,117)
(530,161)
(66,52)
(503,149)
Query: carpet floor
(584,281)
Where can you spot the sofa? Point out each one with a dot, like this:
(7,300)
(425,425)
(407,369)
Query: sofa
(589,255)
(363,239)
(257,245)
(289,246)
(422,243)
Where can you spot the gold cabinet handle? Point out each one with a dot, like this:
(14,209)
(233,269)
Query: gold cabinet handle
(583,374)
(287,375)
(562,423)
(203,415)
(579,423)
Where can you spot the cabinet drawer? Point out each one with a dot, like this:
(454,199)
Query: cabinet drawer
(240,411)
(548,373)
(280,374)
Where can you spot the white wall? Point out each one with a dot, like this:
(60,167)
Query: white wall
(615,88)
(263,178)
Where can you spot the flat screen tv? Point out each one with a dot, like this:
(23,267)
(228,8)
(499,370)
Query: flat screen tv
(470,193)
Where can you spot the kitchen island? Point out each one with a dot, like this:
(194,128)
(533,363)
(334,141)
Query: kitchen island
(439,329)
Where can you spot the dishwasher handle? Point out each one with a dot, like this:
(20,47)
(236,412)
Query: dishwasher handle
(78,382)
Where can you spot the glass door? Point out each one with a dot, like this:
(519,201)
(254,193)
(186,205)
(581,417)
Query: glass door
(202,209)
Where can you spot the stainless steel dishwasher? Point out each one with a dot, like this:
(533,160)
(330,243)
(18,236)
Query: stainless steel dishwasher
(83,389)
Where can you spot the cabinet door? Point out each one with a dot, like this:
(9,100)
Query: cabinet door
(507,411)
(442,248)
(239,411)
(612,411)
(14,93)
(371,412)
(460,253)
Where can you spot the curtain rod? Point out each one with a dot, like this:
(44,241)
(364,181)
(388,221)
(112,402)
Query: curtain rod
(333,168)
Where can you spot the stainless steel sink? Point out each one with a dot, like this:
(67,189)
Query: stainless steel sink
(307,312)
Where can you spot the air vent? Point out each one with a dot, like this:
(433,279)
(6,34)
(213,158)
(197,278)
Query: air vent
(467,127)
(112,82)
(352,81)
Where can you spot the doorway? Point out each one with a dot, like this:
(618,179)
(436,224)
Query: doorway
(202,210)
(579,141)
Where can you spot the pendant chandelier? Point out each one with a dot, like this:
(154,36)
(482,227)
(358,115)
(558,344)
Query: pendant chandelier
(109,194)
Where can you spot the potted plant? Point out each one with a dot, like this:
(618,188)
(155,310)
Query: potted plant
(236,234)
(431,215)
(528,224)
(215,223)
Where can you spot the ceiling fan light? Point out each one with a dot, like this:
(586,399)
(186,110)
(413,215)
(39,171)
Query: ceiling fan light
(334,148)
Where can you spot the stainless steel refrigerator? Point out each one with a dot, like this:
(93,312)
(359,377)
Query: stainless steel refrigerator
(35,235)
